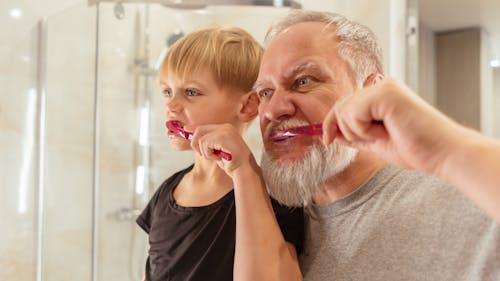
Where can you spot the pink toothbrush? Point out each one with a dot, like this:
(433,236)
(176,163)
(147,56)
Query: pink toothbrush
(308,130)
(174,125)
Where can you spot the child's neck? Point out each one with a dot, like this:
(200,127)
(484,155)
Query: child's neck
(208,172)
(203,185)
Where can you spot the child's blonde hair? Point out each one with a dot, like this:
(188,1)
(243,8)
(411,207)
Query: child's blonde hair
(231,54)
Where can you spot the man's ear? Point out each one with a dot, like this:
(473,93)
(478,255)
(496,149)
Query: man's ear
(250,107)
(373,79)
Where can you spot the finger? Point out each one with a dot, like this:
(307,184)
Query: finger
(356,112)
(377,131)
(330,127)
(211,147)
(204,148)
(346,129)
(195,141)
(341,141)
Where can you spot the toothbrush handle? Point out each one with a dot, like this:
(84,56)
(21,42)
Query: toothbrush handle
(223,154)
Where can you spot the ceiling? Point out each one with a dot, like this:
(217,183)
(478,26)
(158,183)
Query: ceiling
(443,15)
(438,15)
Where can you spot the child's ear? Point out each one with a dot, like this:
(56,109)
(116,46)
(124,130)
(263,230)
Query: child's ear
(373,79)
(250,107)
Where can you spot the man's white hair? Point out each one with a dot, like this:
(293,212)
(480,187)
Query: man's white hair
(357,44)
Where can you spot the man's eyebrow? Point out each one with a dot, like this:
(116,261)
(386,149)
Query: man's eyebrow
(292,72)
(257,84)
(308,66)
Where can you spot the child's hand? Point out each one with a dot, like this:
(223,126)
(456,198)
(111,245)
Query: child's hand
(224,137)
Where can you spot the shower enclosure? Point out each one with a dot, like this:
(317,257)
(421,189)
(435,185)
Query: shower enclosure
(82,138)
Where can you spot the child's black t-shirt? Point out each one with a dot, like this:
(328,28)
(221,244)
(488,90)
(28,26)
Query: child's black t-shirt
(198,243)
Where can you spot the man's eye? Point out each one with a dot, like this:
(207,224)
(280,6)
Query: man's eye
(167,93)
(265,93)
(192,93)
(303,81)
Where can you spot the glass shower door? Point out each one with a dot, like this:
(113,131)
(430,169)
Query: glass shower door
(19,109)
(69,74)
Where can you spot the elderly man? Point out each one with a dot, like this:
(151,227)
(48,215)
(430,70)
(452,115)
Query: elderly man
(365,220)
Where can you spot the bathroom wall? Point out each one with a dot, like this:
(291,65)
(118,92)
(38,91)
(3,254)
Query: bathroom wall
(427,64)
(496,103)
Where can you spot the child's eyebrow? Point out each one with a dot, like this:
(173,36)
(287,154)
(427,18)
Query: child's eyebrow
(163,82)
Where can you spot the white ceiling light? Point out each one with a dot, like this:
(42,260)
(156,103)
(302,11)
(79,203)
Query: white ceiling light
(495,63)
(15,13)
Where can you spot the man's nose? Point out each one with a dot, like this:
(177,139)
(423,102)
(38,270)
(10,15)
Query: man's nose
(279,107)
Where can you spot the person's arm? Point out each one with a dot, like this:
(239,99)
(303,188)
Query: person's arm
(261,250)
(392,121)
(473,165)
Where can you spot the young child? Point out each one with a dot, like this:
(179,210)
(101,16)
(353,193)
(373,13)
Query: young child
(207,78)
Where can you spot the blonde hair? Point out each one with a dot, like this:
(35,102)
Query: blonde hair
(231,54)
(357,44)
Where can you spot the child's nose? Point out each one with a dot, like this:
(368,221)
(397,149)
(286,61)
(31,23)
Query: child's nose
(173,105)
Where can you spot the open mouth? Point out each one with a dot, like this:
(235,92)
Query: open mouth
(279,136)
(308,130)
(175,127)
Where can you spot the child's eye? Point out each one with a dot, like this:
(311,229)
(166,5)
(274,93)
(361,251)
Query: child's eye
(167,93)
(192,93)
(265,93)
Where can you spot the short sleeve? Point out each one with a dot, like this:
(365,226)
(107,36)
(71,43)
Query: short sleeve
(144,219)
(291,222)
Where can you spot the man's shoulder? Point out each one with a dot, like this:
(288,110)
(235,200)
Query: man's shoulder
(414,180)
(416,190)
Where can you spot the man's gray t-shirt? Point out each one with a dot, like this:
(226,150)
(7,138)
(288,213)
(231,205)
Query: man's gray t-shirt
(401,225)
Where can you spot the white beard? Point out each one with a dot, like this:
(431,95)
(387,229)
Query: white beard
(295,183)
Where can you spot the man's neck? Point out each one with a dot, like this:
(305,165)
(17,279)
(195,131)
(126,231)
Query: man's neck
(356,174)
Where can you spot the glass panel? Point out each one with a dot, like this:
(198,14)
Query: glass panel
(18,167)
(69,144)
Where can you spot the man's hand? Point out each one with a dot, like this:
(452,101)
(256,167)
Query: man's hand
(390,120)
